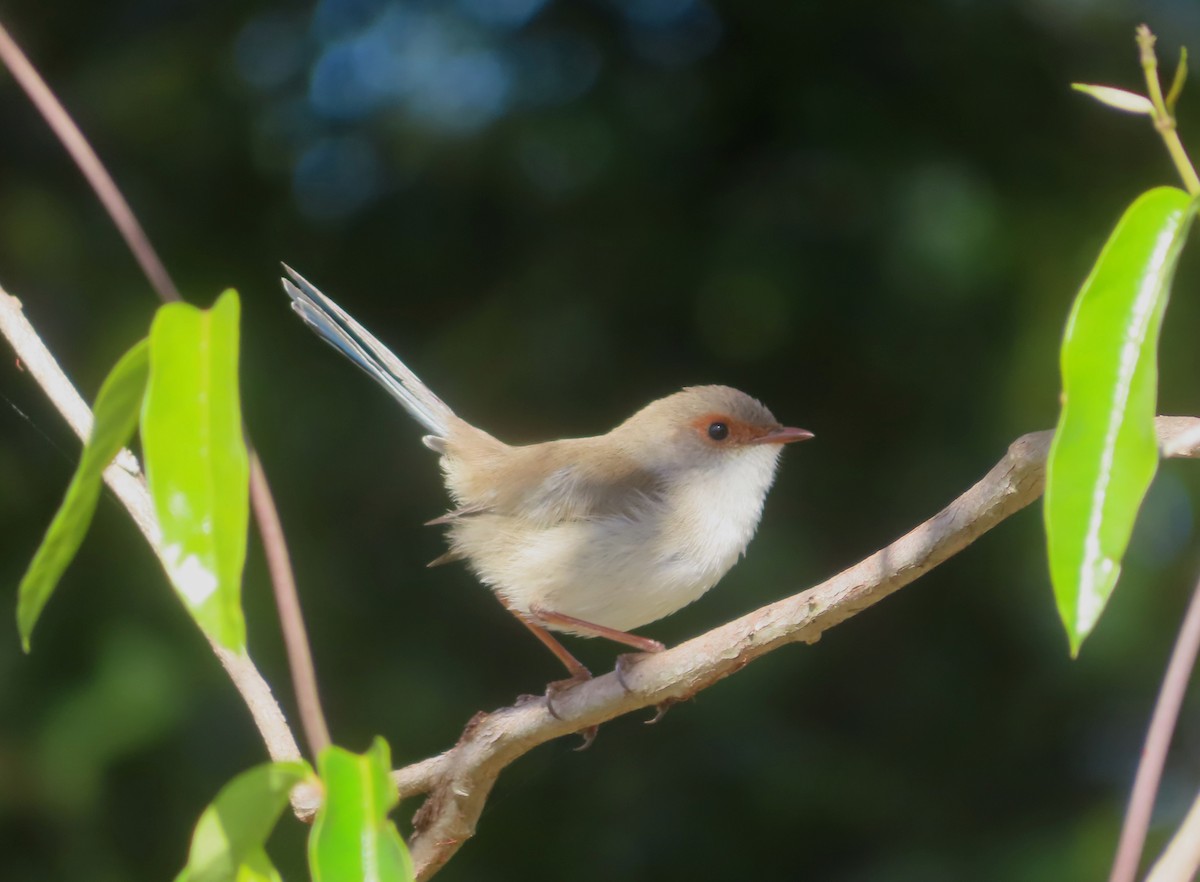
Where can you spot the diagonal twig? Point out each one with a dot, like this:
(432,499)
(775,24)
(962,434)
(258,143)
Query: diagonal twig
(89,163)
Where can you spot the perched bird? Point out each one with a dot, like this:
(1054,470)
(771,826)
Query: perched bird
(588,536)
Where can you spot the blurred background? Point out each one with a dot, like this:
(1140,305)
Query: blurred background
(873,216)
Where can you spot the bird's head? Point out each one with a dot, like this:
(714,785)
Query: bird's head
(702,427)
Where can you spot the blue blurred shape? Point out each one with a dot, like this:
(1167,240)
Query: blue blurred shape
(429,64)
(338,88)
(464,92)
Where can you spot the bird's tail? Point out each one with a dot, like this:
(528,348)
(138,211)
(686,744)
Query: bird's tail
(333,325)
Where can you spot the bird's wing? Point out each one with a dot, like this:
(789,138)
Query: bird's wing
(576,493)
(564,481)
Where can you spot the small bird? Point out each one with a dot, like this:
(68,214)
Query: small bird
(587,536)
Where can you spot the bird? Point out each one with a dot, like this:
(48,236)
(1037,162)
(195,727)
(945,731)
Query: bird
(596,536)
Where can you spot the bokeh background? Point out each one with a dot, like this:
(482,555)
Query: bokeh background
(871,215)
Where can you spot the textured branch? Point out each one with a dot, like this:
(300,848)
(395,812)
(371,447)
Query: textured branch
(458,781)
(125,479)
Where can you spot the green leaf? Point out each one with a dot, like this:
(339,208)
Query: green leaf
(1105,453)
(196,461)
(231,833)
(114,418)
(352,838)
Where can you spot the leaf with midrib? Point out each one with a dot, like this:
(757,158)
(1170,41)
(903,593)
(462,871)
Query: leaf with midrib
(1104,453)
(197,465)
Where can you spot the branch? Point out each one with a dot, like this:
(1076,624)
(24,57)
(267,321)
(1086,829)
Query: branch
(458,781)
(124,478)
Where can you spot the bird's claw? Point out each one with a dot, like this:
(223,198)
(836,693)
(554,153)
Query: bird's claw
(589,735)
(660,710)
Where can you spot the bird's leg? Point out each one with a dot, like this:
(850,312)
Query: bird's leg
(578,673)
(576,669)
(562,620)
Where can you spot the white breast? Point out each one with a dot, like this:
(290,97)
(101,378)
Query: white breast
(627,571)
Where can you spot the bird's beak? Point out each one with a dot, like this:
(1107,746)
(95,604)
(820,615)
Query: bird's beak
(783,435)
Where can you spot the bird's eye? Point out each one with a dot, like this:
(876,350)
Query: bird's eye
(718,430)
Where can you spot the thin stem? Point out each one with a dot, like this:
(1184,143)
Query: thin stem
(89,163)
(1164,122)
(287,601)
(1158,739)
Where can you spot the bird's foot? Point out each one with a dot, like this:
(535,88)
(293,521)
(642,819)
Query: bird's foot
(580,675)
(628,659)
(557,687)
